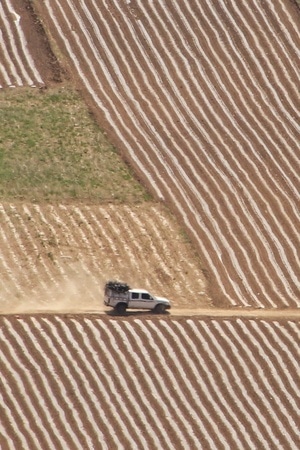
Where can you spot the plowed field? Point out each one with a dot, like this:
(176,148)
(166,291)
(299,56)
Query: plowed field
(59,257)
(26,58)
(80,382)
(206,110)
(202,98)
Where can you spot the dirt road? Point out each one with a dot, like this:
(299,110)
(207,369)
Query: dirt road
(239,312)
(263,313)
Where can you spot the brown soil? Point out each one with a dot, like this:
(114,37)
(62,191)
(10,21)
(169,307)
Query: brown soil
(39,44)
(245,264)
(58,257)
(257,276)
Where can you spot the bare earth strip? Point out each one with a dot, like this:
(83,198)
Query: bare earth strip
(79,381)
(206,109)
(263,313)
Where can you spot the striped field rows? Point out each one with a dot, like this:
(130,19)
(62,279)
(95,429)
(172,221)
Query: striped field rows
(203,98)
(212,131)
(18,67)
(61,256)
(87,382)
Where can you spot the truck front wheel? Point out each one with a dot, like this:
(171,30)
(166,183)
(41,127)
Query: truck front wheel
(120,308)
(159,309)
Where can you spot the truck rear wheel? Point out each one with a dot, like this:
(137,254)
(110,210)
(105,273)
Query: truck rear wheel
(159,309)
(120,308)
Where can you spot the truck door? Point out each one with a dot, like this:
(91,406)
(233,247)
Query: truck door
(146,301)
(134,300)
(140,300)
(146,298)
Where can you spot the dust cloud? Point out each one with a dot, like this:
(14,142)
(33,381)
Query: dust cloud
(80,289)
(77,291)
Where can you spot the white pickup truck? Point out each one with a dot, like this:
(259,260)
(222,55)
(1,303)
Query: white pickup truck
(120,297)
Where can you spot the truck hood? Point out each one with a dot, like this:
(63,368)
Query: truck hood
(163,300)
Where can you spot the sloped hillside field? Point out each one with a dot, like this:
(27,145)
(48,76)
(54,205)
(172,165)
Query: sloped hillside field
(92,382)
(202,98)
(58,257)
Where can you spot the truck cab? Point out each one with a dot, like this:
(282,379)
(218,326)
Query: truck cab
(142,299)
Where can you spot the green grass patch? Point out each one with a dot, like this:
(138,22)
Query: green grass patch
(52,150)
